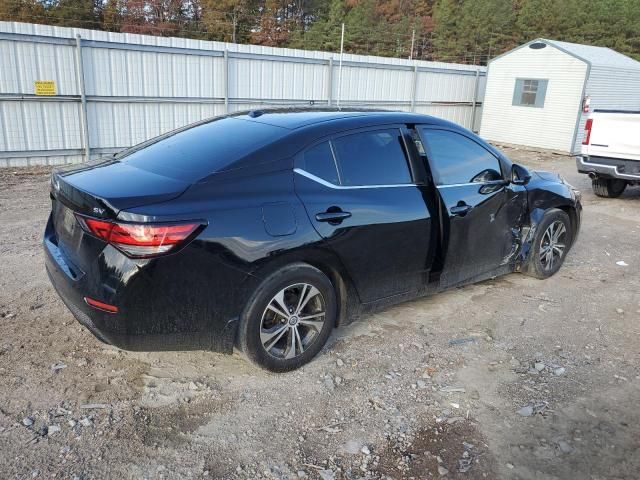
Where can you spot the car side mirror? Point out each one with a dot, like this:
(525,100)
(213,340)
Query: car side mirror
(520,175)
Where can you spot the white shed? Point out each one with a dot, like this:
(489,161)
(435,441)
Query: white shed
(535,93)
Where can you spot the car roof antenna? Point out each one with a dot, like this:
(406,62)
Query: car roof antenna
(255,113)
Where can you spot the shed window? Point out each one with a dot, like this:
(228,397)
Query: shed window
(530,92)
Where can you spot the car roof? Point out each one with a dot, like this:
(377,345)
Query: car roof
(305,126)
(309,125)
(295,118)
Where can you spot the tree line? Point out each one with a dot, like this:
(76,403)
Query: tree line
(464,31)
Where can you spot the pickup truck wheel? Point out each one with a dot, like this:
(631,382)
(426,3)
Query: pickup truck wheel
(551,243)
(608,187)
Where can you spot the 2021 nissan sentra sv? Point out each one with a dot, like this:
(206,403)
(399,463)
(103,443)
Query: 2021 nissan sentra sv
(265,230)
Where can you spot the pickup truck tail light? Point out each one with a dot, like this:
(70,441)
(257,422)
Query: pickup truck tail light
(140,240)
(587,131)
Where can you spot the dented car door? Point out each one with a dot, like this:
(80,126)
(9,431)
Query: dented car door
(481,209)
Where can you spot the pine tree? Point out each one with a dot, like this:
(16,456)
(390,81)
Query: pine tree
(448,30)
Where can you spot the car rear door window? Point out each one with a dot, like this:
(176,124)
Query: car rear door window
(456,159)
(318,160)
(374,157)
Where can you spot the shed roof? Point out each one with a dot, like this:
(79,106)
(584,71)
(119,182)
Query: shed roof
(597,56)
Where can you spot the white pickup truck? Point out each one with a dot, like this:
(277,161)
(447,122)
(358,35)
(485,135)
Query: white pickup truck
(611,151)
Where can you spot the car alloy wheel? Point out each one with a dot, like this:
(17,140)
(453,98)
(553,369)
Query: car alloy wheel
(553,245)
(292,321)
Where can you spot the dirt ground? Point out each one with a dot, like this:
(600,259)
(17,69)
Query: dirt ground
(511,378)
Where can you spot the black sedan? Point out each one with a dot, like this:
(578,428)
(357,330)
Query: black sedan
(265,230)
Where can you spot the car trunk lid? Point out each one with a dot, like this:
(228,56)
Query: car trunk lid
(101,190)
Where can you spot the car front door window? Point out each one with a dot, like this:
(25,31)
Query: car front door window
(456,159)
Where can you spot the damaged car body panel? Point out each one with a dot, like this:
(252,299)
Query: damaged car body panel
(154,253)
(482,210)
(547,190)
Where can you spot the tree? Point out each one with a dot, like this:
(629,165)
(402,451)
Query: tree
(274,26)
(446,15)
(469,31)
(112,15)
(324,31)
(229,20)
(154,17)
(23,11)
(77,13)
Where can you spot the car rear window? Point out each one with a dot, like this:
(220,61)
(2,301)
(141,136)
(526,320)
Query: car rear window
(195,152)
(372,158)
(318,160)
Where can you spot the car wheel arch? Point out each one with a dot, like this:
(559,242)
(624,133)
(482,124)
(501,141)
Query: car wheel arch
(573,217)
(328,263)
(535,217)
(538,213)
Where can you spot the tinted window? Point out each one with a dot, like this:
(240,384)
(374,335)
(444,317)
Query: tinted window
(455,159)
(372,158)
(319,161)
(198,151)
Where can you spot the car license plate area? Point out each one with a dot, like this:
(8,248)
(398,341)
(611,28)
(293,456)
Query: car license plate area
(66,226)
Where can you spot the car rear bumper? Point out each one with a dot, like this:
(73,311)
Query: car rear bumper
(73,302)
(609,167)
(131,328)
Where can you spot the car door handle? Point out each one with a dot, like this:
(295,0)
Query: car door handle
(460,210)
(332,217)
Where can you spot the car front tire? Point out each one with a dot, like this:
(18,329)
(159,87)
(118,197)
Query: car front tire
(608,187)
(288,319)
(551,244)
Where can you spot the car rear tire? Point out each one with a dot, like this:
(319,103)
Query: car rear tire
(288,319)
(608,187)
(551,243)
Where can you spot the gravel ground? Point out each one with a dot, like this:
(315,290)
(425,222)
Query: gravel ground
(509,378)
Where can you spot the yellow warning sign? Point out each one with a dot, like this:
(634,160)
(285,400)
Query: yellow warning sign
(45,87)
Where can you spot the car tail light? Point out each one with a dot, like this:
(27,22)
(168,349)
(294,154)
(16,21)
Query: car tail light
(140,240)
(587,131)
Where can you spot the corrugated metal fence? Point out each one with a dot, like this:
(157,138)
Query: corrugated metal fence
(114,90)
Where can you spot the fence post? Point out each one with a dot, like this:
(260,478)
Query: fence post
(330,82)
(83,100)
(340,72)
(414,89)
(475,101)
(226,80)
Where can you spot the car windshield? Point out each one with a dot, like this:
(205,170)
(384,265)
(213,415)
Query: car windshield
(193,153)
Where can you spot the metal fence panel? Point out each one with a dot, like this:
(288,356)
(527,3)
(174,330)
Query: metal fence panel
(372,84)
(22,63)
(126,73)
(29,125)
(273,80)
(118,124)
(445,87)
(460,114)
(127,88)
